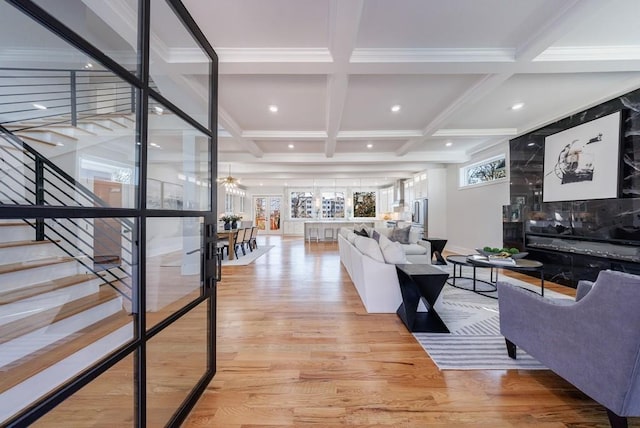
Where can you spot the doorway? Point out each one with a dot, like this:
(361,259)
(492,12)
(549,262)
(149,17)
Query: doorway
(107,232)
(266,213)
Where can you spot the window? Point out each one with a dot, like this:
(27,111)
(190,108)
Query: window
(332,204)
(482,172)
(364,204)
(301,205)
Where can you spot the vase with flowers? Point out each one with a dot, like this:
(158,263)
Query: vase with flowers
(230,221)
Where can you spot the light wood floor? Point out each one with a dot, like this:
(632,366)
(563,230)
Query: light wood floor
(296,348)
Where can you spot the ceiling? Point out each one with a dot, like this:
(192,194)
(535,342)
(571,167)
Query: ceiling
(334,68)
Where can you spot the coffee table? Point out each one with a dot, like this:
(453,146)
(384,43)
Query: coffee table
(520,265)
(421,282)
(483,287)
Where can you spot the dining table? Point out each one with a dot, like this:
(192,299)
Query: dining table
(229,234)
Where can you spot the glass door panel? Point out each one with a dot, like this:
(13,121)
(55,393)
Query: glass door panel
(266,213)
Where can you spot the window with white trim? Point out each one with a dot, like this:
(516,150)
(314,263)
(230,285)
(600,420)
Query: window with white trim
(488,170)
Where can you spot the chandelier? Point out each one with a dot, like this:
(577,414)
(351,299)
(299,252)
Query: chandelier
(229,183)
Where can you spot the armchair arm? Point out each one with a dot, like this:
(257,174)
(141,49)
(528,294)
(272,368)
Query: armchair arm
(584,287)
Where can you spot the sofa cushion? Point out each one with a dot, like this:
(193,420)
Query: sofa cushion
(400,235)
(351,237)
(392,252)
(414,249)
(375,235)
(369,247)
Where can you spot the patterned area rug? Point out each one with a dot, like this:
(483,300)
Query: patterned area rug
(475,342)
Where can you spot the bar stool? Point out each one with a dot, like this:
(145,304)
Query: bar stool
(328,234)
(313,232)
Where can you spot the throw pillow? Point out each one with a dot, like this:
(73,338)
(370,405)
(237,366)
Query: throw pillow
(361,232)
(375,235)
(400,235)
(369,247)
(394,254)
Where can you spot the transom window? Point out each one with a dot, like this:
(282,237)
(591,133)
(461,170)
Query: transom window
(488,170)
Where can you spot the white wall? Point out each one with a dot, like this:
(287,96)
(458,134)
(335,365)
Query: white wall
(437,195)
(475,214)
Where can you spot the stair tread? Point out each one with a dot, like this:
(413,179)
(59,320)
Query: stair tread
(18,266)
(49,316)
(14,224)
(43,287)
(23,243)
(15,373)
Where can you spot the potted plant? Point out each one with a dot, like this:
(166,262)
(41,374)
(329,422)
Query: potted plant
(230,221)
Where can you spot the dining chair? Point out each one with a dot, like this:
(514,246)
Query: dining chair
(239,242)
(253,243)
(247,239)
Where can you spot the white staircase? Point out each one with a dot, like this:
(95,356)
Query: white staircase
(52,312)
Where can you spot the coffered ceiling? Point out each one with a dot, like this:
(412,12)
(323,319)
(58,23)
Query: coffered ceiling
(334,68)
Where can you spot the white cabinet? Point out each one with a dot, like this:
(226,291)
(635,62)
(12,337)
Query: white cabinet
(293,228)
(420,188)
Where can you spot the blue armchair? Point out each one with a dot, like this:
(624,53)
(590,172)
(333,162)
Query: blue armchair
(592,342)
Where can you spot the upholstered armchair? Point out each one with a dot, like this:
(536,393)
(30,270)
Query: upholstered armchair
(592,342)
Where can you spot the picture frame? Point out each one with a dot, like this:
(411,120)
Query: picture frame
(583,162)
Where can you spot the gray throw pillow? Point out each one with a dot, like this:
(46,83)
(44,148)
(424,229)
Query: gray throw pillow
(375,235)
(400,235)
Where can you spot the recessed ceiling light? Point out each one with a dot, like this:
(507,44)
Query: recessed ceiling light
(59,144)
(448,144)
(291,146)
(531,144)
(39,106)
(517,106)
(154,145)
(158,110)
(369,146)
(273,108)
(395,108)
(261,184)
(88,65)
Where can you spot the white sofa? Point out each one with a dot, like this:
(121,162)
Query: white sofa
(375,279)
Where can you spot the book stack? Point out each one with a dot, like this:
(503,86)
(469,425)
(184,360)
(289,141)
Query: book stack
(501,260)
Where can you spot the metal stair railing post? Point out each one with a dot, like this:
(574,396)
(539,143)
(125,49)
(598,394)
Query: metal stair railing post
(39,197)
(74,105)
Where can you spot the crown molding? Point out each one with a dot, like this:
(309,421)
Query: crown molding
(274,55)
(481,132)
(378,135)
(433,55)
(285,135)
(590,53)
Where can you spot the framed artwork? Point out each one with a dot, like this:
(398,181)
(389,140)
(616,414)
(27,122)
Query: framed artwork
(583,162)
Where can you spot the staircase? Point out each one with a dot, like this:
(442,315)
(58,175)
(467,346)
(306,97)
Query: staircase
(62,306)
(56,318)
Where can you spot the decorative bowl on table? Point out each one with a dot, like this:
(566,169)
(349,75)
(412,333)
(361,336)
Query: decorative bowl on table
(513,252)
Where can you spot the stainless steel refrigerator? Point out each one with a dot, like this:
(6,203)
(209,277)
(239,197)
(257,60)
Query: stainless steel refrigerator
(420,215)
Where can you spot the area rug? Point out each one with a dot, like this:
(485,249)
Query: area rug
(475,342)
(250,257)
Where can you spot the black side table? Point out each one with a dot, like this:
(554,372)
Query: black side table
(437,246)
(421,282)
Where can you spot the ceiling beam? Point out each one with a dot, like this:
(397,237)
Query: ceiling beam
(479,89)
(567,16)
(344,22)
(227,122)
